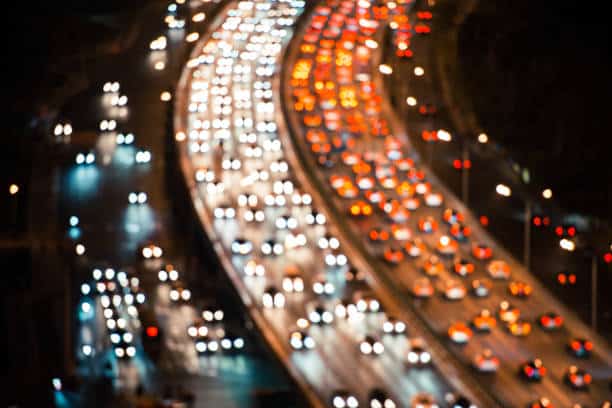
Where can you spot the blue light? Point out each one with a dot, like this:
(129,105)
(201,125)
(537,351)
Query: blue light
(74,233)
(74,221)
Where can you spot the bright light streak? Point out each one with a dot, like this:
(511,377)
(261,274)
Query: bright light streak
(419,71)
(547,193)
(411,101)
(444,135)
(483,138)
(385,69)
(567,244)
(503,190)
(13,189)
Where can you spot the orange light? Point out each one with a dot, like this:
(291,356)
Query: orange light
(484,220)
(152,331)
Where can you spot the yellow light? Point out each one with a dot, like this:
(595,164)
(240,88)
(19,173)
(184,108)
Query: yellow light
(165,96)
(198,17)
(191,37)
(13,189)
(503,190)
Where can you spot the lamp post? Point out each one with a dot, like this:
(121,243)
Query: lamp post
(505,191)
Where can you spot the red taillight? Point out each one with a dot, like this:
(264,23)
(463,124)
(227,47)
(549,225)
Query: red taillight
(558,320)
(537,221)
(572,279)
(152,331)
(576,345)
(588,346)
(457,164)
(607,257)
(559,231)
(484,220)
(545,320)
(587,378)
(571,231)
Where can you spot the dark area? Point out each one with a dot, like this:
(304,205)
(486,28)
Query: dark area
(538,74)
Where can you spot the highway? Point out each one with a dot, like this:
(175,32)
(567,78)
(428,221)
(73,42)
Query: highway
(337,99)
(262,223)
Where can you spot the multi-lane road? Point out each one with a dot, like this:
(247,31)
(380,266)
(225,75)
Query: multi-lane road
(335,86)
(310,182)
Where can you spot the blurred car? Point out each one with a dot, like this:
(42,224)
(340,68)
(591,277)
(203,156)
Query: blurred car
(507,312)
(300,340)
(178,293)
(371,345)
(417,353)
(423,400)
(272,298)
(577,378)
(378,235)
(393,255)
(452,216)
(551,321)
(459,332)
(86,158)
(519,289)
(433,266)
(541,403)
(447,246)
(486,362)
(460,232)
(318,314)
(484,321)
(151,251)
(241,246)
(458,401)
(454,289)
(344,399)
(533,370)
(422,288)
(366,302)
(463,267)
(519,328)
(427,225)
(482,251)
(414,248)
(354,275)
(380,399)
(498,269)
(481,287)
(393,326)
(293,281)
(580,348)
(360,209)
(322,286)
(401,232)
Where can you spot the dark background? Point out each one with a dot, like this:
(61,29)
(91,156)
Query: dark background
(539,76)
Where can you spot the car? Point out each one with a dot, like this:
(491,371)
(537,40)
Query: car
(371,345)
(423,400)
(393,326)
(427,225)
(422,288)
(366,302)
(344,399)
(414,248)
(86,158)
(417,353)
(241,246)
(300,340)
(178,293)
(254,268)
(293,281)
(328,241)
(354,275)
(454,289)
(452,216)
(486,362)
(272,298)
(447,246)
(151,251)
(484,321)
(433,199)
(498,269)
(206,344)
(346,309)
(380,399)
(463,267)
(334,258)
(519,328)
(482,251)
(458,401)
(459,332)
(318,314)
(221,212)
(460,232)
(550,321)
(507,312)
(197,329)
(577,378)
(271,247)
(360,209)
(541,403)
(401,232)
(393,255)
(378,235)
(533,370)
(213,314)
(519,289)
(580,348)
(231,341)
(322,286)
(481,287)
(433,266)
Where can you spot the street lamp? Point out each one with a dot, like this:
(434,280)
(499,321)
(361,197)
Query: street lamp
(505,191)
(547,193)
(483,138)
